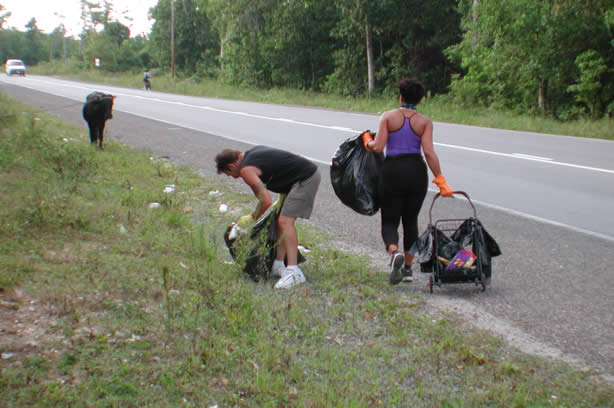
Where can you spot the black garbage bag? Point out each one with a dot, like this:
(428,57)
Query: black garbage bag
(484,245)
(423,248)
(261,244)
(354,175)
(449,250)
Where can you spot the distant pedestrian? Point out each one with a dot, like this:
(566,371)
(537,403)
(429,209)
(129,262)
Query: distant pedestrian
(147,80)
(265,168)
(403,180)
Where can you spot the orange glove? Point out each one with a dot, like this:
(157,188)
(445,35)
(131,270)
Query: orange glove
(444,188)
(366,138)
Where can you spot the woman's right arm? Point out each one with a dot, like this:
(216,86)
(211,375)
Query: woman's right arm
(433,160)
(428,149)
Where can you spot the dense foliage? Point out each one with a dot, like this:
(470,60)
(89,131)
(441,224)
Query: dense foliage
(554,57)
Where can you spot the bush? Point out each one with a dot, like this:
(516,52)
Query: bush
(588,90)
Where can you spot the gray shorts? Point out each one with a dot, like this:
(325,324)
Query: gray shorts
(299,201)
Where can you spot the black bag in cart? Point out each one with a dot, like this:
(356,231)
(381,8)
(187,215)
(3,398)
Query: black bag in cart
(456,250)
(354,175)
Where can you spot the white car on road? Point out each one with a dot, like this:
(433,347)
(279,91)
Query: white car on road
(15,67)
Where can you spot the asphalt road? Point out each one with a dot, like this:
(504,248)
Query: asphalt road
(546,199)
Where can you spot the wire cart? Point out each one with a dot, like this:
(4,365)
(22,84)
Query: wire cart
(456,250)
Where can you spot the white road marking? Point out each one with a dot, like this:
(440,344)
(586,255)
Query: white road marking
(520,156)
(526,157)
(535,218)
(327,163)
(531,157)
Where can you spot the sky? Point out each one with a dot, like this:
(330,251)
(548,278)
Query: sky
(49,14)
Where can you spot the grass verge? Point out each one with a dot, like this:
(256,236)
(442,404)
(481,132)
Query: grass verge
(107,302)
(439,109)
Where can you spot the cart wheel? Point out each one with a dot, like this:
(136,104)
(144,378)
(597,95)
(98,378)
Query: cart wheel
(483,282)
(430,284)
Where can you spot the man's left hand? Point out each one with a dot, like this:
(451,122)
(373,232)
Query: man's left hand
(245,221)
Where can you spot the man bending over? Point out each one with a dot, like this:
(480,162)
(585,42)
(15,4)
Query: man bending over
(265,168)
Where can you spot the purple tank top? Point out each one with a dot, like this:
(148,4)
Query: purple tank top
(403,141)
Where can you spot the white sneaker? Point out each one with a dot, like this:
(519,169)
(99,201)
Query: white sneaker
(396,268)
(278,271)
(291,278)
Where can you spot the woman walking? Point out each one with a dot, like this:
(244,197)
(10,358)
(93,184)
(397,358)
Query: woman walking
(405,134)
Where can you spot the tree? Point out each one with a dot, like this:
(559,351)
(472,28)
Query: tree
(521,54)
(3,16)
(194,35)
(93,14)
(57,43)
(354,69)
(269,43)
(386,40)
(588,90)
(413,35)
(11,44)
(102,37)
(99,47)
(116,32)
(297,44)
(33,51)
(241,25)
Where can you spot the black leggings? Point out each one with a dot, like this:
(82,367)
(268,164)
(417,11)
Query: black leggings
(401,192)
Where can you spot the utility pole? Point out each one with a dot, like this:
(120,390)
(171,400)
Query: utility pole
(474,15)
(64,43)
(63,31)
(370,62)
(62,28)
(172,39)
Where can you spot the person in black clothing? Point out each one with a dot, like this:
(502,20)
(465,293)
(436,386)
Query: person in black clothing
(265,168)
(406,135)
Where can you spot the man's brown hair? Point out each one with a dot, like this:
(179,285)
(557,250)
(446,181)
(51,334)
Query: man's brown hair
(225,158)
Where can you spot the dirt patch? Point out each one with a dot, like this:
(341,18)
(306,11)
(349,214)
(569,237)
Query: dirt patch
(25,326)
